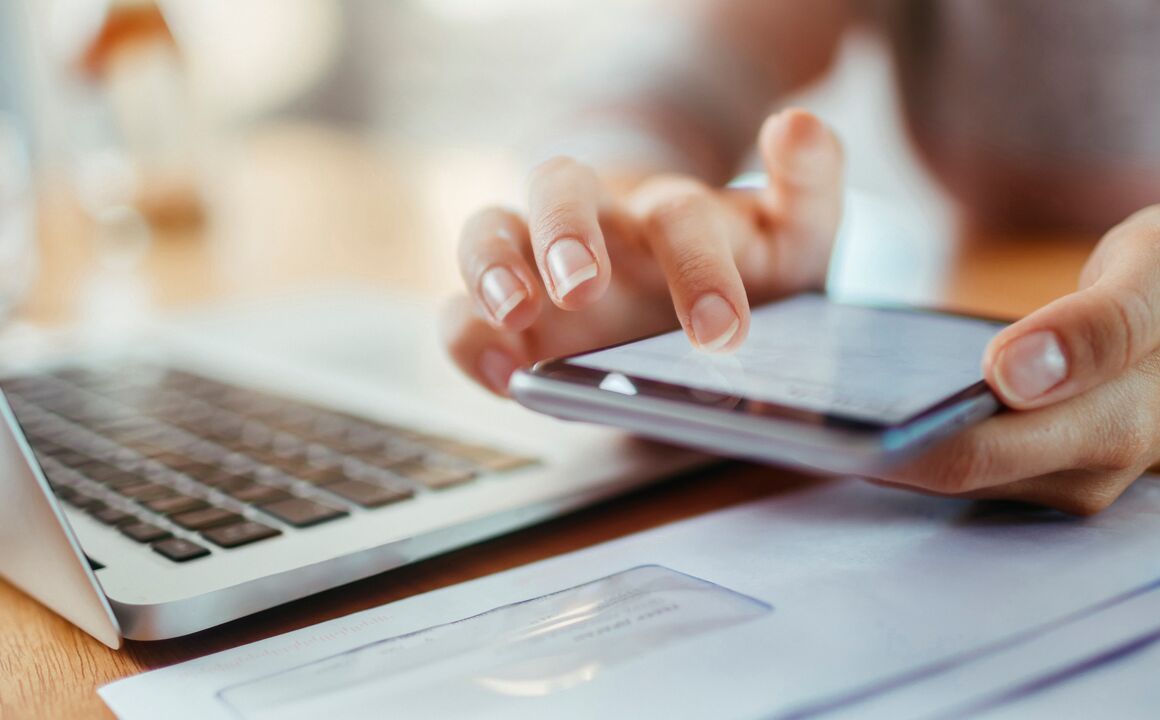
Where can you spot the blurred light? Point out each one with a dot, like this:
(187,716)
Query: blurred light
(122,237)
(468,10)
(72,25)
(617,383)
(250,56)
(17,216)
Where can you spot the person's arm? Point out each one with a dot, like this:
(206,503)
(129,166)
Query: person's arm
(686,84)
(1082,374)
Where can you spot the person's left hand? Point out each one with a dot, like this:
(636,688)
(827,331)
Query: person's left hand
(1083,376)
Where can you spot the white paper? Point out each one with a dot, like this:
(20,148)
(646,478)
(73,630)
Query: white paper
(1123,686)
(869,587)
(1038,669)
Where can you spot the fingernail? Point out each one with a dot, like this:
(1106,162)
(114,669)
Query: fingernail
(570,264)
(502,291)
(1030,366)
(714,322)
(496,368)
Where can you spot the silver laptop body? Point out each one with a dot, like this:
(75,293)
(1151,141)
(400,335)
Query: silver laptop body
(472,466)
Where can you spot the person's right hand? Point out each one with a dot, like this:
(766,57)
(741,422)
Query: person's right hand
(587,267)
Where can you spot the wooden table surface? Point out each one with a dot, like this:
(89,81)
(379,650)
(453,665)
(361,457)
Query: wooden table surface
(300,205)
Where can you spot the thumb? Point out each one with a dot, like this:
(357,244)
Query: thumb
(804,161)
(1089,337)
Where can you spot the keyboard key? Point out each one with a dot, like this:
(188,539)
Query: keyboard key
(239,534)
(180,550)
(85,502)
(161,426)
(486,458)
(224,479)
(108,475)
(322,476)
(360,440)
(198,470)
(42,448)
(206,518)
(301,512)
(146,491)
(175,504)
(258,494)
(97,470)
(327,426)
(71,458)
(112,516)
(222,425)
(367,494)
(57,476)
(64,493)
(124,479)
(387,458)
(143,532)
(434,477)
(286,463)
(171,459)
(157,445)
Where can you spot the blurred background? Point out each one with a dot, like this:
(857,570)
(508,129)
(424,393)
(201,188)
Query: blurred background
(154,154)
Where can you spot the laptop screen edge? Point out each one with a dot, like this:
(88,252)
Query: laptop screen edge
(39,552)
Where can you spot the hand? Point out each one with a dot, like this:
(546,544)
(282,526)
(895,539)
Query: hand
(590,266)
(1083,374)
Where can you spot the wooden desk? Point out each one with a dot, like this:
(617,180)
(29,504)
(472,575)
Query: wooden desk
(304,205)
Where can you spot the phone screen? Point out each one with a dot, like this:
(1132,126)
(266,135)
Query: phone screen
(870,364)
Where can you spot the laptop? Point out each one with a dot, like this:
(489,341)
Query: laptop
(234,459)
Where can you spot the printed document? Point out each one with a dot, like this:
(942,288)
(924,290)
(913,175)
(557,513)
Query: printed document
(842,599)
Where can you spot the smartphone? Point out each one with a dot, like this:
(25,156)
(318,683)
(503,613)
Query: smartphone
(818,384)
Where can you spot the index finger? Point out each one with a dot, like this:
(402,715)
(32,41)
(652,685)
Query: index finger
(564,203)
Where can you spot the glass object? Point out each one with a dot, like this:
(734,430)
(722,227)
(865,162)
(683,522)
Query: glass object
(133,120)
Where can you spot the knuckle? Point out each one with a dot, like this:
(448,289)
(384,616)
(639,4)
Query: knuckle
(691,263)
(678,202)
(561,218)
(1094,498)
(1130,319)
(678,210)
(1132,442)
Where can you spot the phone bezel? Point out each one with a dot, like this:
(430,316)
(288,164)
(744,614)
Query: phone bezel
(560,369)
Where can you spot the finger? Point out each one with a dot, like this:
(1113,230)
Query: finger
(495,271)
(1077,492)
(804,161)
(1091,336)
(1003,449)
(482,352)
(693,236)
(564,202)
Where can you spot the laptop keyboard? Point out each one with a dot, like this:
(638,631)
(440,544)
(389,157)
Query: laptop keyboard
(191,466)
